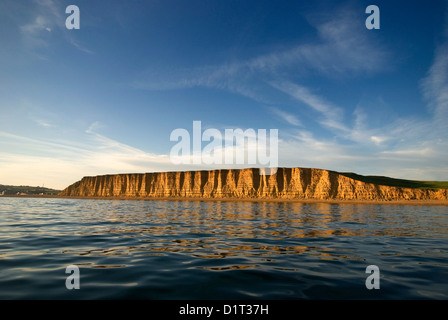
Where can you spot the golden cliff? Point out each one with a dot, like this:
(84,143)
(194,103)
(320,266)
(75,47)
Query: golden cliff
(287,183)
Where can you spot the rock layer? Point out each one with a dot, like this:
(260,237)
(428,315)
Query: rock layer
(287,183)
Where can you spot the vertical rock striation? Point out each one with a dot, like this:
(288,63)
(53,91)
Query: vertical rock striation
(287,183)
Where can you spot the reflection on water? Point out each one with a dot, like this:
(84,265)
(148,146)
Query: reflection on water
(214,227)
(219,249)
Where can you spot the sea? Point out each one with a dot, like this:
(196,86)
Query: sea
(70,249)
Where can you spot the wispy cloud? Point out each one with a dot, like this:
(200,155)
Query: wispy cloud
(42,123)
(37,32)
(435,86)
(46,21)
(331,115)
(408,145)
(424,160)
(378,140)
(288,117)
(58,163)
(342,50)
(39,24)
(79,46)
(414,153)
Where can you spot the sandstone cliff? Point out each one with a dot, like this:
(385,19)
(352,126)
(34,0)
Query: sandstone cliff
(287,183)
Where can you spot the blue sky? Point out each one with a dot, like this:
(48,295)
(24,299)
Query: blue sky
(105,98)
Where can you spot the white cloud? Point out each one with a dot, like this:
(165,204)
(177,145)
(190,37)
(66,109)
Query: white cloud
(406,147)
(39,24)
(58,163)
(435,86)
(289,118)
(378,140)
(47,16)
(79,46)
(342,50)
(424,161)
(94,126)
(43,123)
(332,115)
(414,153)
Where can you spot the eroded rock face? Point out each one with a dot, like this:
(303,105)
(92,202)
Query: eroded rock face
(287,183)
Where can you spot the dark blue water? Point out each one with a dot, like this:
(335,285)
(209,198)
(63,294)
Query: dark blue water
(220,250)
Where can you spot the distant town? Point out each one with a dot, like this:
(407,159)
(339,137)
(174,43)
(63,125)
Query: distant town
(7,190)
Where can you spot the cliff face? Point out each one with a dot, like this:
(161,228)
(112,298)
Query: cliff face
(287,183)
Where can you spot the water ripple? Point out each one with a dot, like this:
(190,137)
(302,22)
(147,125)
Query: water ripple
(220,250)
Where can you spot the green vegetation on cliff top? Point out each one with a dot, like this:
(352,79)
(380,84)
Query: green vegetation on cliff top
(392,182)
(12,190)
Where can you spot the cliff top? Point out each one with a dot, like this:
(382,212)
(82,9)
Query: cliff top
(393,182)
(378,180)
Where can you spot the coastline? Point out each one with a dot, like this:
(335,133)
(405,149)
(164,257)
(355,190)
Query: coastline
(277,200)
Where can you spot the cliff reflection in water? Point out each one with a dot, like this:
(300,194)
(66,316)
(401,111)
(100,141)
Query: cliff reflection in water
(220,250)
(215,230)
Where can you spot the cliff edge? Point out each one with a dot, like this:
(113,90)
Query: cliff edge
(287,183)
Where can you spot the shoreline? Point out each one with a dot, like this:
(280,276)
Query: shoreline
(278,200)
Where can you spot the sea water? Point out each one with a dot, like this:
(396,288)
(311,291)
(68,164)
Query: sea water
(126,249)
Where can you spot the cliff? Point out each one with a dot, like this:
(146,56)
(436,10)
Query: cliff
(287,183)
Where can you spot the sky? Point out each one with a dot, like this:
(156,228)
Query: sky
(104,98)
